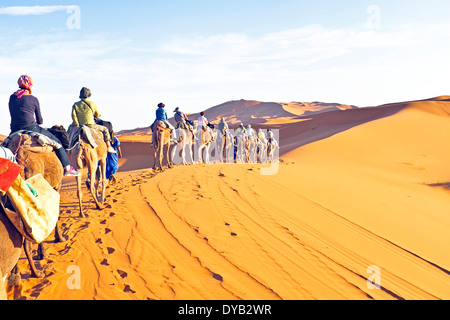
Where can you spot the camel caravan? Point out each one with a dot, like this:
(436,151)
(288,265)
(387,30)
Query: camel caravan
(34,160)
(195,142)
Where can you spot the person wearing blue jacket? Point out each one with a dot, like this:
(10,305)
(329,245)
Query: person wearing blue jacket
(161,115)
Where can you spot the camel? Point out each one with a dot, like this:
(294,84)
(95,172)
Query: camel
(241,140)
(203,141)
(184,142)
(11,242)
(51,169)
(160,140)
(251,147)
(225,146)
(84,153)
(262,150)
(272,146)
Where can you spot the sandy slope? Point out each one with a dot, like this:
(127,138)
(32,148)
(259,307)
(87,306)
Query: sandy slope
(356,188)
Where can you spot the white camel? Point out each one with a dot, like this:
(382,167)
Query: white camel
(225,146)
(262,151)
(241,140)
(272,147)
(203,142)
(252,144)
(185,143)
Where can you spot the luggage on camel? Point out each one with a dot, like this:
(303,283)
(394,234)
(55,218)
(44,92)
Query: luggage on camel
(61,133)
(34,204)
(8,174)
(31,141)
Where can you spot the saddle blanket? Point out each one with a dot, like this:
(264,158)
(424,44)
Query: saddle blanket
(92,136)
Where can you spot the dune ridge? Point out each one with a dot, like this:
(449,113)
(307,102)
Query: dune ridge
(356,188)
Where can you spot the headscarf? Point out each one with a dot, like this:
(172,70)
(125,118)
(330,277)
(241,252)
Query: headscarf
(25,84)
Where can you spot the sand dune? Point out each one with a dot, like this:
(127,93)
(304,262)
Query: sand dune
(249,112)
(356,188)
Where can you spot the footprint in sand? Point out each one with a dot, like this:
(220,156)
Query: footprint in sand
(128,289)
(122,274)
(104,262)
(110,250)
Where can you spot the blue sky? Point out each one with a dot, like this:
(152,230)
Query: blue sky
(197,54)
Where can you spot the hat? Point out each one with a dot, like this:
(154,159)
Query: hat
(176,109)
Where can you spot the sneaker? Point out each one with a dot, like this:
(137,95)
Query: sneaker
(71,172)
(111,150)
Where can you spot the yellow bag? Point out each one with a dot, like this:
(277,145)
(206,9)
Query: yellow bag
(40,214)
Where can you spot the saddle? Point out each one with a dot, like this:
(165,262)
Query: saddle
(30,141)
(184,125)
(87,134)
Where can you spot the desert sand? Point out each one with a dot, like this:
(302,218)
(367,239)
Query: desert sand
(356,188)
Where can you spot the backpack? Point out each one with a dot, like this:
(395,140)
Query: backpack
(61,133)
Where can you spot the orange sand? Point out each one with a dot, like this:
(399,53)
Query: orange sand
(355,188)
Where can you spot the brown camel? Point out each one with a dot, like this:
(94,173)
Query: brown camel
(85,153)
(11,242)
(161,140)
(51,169)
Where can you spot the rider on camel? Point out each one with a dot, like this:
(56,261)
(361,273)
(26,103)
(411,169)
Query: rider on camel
(84,113)
(26,115)
(223,126)
(161,115)
(182,119)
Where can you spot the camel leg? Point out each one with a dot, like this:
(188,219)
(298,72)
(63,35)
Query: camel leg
(80,197)
(160,156)
(191,156)
(169,160)
(155,152)
(174,151)
(3,295)
(207,154)
(183,153)
(59,237)
(161,144)
(92,168)
(41,254)
(34,272)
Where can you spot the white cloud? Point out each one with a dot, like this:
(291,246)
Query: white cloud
(33,10)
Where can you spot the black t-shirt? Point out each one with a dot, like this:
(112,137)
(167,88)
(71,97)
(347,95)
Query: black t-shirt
(25,112)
